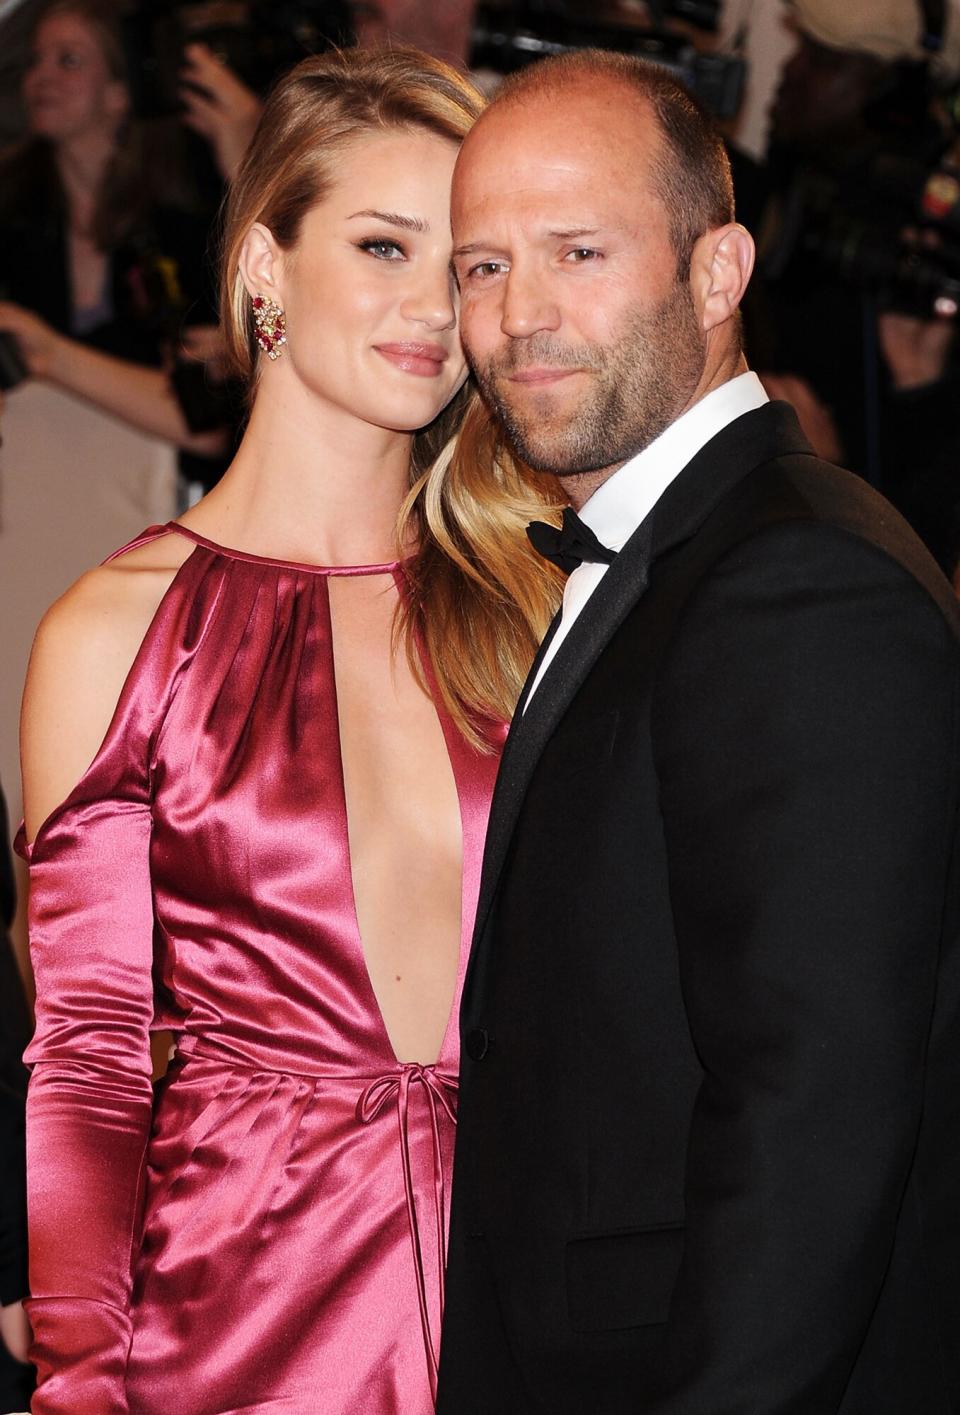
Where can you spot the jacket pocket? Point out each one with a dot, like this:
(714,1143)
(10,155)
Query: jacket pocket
(623,1279)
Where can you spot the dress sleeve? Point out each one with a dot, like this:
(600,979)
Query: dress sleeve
(89,1101)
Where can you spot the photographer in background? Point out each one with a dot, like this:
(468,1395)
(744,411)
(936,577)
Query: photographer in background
(102,257)
(921,431)
(218,106)
(443,30)
(854,272)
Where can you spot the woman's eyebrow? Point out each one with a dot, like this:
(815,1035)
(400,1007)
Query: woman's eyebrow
(393,218)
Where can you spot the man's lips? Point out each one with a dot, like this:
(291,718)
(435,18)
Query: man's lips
(541,376)
(425,360)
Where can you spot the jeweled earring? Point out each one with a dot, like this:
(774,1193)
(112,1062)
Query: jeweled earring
(268,325)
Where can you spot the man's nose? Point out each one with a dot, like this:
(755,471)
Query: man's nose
(528,305)
(430,301)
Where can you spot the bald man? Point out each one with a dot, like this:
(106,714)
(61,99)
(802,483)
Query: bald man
(708,1157)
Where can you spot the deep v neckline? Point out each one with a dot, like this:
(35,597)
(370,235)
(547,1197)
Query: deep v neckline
(449,738)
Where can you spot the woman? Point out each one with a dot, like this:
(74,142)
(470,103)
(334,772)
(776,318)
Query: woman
(101,254)
(283,814)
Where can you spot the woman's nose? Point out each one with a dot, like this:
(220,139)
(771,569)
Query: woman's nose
(432,300)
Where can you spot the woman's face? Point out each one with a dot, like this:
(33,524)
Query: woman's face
(68,90)
(369,295)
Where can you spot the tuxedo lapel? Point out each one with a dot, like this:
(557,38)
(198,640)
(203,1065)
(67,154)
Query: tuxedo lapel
(619,590)
(754,438)
(534,670)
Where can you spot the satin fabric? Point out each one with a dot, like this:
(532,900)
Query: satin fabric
(268,1234)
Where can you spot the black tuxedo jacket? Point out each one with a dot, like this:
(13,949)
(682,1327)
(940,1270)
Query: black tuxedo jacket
(708,1154)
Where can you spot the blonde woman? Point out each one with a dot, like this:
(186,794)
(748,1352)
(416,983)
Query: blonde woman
(259,747)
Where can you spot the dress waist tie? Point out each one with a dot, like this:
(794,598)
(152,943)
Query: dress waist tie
(439,1087)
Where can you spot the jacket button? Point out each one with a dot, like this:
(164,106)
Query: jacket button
(477,1043)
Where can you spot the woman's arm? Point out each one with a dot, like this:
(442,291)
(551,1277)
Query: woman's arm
(91,940)
(80,659)
(15,1330)
(139,395)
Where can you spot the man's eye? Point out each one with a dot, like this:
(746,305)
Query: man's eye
(383,249)
(485,270)
(69,60)
(580,254)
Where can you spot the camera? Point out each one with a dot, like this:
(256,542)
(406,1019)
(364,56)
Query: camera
(256,39)
(886,220)
(13,370)
(507,37)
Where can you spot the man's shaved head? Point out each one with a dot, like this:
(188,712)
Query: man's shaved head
(692,170)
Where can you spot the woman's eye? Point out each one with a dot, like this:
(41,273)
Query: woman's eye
(383,249)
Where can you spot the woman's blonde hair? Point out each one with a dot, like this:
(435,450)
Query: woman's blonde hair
(480,597)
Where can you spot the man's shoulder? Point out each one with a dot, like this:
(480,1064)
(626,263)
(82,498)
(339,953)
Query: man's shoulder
(803,489)
(784,518)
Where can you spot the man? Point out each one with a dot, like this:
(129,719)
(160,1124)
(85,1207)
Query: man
(709,1128)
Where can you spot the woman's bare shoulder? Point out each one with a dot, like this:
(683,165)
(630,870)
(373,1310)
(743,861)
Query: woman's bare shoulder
(109,609)
(82,654)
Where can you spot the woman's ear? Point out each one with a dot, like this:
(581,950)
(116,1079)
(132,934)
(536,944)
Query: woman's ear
(261,262)
(720,270)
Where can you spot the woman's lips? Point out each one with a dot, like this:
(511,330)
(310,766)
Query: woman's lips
(425,360)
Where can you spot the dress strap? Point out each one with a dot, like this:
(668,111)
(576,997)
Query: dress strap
(440,1088)
(144,538)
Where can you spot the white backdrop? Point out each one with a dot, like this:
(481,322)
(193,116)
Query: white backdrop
(75,484)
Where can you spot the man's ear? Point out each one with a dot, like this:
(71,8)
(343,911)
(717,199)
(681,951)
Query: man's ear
(720,269)
(261,263)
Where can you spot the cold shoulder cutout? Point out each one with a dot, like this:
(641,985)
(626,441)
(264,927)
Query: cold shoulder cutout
(76,639)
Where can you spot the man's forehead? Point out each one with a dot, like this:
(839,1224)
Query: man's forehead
(551,179)
(549,140)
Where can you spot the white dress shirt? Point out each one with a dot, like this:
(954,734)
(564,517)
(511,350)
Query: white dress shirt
(618,506)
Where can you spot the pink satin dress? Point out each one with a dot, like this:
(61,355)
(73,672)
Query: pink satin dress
(267,1233)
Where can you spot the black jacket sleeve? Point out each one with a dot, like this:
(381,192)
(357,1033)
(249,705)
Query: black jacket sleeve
(806,742)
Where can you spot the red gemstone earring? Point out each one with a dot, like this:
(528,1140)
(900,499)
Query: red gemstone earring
(268,325)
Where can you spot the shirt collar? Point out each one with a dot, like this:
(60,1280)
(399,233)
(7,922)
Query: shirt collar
(617,507)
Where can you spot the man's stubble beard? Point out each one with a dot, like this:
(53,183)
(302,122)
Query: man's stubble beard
(640,384)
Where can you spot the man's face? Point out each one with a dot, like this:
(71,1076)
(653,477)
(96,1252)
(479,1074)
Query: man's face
(579,333)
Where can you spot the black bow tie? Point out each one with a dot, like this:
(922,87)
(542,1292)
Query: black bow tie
(569,545)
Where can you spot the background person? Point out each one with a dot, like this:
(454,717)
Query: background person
(102,256)
(861,121)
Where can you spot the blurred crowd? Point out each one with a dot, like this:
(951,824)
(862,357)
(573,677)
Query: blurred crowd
(121,126)
(856,205)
